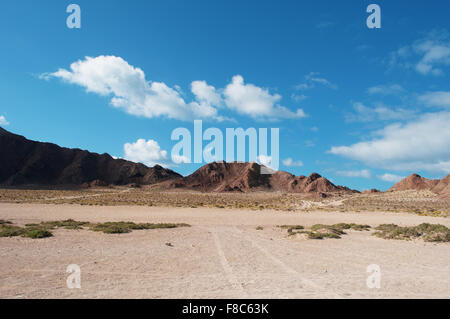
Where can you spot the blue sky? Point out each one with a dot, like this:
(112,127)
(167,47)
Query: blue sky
(361,106)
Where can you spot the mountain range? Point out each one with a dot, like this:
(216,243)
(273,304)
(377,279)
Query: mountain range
(30,163)
(25,162)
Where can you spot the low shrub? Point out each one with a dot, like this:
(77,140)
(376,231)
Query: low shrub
(426,232)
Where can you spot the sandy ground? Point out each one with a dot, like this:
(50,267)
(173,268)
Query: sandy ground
(221,256)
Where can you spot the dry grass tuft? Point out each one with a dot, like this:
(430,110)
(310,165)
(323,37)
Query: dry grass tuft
(320,231)
(43,229)
(426,232)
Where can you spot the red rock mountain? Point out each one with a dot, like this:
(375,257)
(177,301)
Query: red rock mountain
(25,162)
(443,187)
(415,182)
(243,177)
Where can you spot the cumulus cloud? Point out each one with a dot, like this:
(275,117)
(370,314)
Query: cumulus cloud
(289,162)
(146,152)
(130,90)
(362,173)
(422,144)
(149,152)
(312,80)
(205,93)
(392,178)
(379,112)
(438,99)
(3,121)
(256,102)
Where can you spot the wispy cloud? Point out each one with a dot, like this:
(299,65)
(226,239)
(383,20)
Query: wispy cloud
(421,144)
(426,56)
(379,112)
(3,121)
(392,178)
(289,162)
(365,173)
(298,97)
(312,80)
(393,89)
(438,99)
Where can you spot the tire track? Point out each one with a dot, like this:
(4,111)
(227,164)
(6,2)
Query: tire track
(226,266)
(289,270)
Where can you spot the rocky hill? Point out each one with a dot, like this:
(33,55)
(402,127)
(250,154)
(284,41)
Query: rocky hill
(25,162)
(417,182)
(244,177)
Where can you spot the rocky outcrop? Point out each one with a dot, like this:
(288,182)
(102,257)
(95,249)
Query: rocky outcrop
(244,177)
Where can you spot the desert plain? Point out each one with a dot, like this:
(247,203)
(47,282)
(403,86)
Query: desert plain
(237,245)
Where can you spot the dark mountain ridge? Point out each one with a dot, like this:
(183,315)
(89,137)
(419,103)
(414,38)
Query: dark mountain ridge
(25,162)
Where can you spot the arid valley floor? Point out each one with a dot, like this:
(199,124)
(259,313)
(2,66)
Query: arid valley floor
(234,247)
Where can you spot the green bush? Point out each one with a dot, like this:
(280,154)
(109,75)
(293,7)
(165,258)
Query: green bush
(36,233)
(43,229)
(67,224)
(427,232)
(126,227)
(10,231)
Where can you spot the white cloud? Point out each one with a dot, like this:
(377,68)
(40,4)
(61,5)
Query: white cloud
(433,52)
(439,99)
(256,102)
(392,89)
(391,178)
(150,153)
(291,163)
(362,173)
(146,152)
(3,121)
(422,144)
(130,91)
(380,112)
(298,97)
(205,93)
(312,80)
